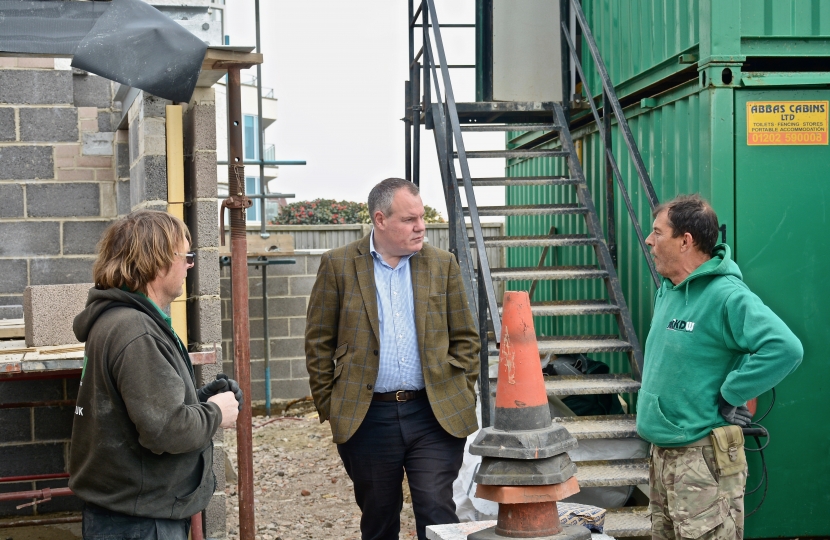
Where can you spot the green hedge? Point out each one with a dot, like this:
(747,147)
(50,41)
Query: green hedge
(331,212)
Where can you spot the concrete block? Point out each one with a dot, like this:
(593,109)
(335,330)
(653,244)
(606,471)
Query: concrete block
(299,369)
(219,466)
(224,284)
(15,277)
(227,329)
(26,163)
(122,160)
(53,423)
(215,517)
(204,276)
(108,121)
(296,326)
(148,180)
(49,311)
(297,269)
(312,264)
(89,126)
(26,238)
(9,508)
(11,312)
(76,175)
(98,162)
(98,144)
(276,286)
(11,200)
(8,129)
(108,198)
(62,270)
(27,87)
(204,127)
(91,91)
(202,177)
(11,299)
(288,348)
(280,370)
(15,425)
(25,391)
(122,197)
(292,306)
(204,320)
(81,237)
(63,200)
(67,150)
(203,219)
(133,135)
(290,389)
(38,458)
(257,348)
(88,113)
(301,285)
(276,328)
(49,124)
(153,106)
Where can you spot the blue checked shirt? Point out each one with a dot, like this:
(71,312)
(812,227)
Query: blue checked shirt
(400,361)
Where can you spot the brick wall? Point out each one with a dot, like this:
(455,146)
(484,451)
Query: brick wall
(59,189)
(288,288)
(58,186)
(35,440)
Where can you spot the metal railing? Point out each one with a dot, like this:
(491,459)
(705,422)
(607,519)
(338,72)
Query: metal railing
(446,112)
(610,101)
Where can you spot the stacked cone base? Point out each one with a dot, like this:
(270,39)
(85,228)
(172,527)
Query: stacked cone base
(567,532)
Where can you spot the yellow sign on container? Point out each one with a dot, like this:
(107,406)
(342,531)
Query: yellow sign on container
(786,123)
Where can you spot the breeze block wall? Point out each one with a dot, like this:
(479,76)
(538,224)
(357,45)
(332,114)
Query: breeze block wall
(59,190)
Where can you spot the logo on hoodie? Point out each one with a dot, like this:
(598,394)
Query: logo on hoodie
(684,326)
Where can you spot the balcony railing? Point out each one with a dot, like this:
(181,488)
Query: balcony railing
(250,80)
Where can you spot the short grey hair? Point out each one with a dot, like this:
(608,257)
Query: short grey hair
(380,198)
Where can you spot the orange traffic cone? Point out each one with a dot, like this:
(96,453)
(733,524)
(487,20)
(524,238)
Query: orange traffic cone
(524,466)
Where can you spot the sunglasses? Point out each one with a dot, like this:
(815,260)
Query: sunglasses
(190,258)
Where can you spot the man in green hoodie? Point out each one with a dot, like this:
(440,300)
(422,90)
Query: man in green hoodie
(713,345)
(142,453)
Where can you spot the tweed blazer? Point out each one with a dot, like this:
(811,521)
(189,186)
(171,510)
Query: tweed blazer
(342,338)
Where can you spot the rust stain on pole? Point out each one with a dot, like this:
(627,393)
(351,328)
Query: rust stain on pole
(237,203)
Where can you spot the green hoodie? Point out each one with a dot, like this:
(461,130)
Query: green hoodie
(709,334)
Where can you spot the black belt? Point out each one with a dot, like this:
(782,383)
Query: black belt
(400,395)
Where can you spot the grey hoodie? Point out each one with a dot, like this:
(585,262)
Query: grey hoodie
(141,441)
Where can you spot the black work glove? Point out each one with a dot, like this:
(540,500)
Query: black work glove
(211,389)
(233,386)
(739,416)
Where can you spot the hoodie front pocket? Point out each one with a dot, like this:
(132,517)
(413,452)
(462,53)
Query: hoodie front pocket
(653,425)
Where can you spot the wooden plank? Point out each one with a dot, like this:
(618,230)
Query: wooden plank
(274,245)
(12,328)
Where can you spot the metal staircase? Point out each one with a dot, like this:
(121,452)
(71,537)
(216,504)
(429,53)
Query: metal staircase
(449,121)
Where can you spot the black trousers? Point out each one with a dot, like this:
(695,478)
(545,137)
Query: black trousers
(393,438)
(102,524)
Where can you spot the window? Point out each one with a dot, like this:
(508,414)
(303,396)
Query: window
(252,188)
(250,136)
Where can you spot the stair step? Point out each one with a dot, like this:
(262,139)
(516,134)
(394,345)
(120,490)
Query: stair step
(621,472)
(518,112)
(574,345)
(540,241)
(620,426)
(548,273)
(627,522)
(526,181)
(513,154)
(529,210)
(510,127)
(562,308)
(581,385)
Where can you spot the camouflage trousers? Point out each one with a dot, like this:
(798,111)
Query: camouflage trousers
(689,500)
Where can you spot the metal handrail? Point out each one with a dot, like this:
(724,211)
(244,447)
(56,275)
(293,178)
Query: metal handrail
(612,160)
(455,124)
(611,100)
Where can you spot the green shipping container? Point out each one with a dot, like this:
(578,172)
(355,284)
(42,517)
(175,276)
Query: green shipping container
(696,136)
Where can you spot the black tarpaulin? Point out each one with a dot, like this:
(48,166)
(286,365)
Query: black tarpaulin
(127,41)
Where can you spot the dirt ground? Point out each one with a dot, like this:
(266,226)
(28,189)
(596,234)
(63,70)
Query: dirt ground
(300,487)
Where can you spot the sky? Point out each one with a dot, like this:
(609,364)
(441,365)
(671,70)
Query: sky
(338,71)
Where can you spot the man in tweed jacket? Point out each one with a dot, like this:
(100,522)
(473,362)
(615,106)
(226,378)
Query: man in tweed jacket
(392,356)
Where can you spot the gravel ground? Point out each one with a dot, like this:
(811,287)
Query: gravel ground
(300,487)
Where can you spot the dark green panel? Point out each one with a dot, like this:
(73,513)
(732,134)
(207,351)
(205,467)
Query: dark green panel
(783,249)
